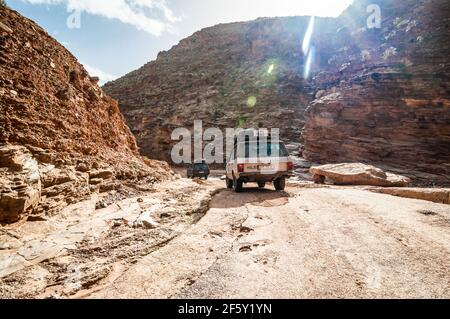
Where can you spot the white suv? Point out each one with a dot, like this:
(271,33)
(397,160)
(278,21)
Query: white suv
(258,161)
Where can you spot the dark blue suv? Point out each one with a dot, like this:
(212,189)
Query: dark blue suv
(200,170)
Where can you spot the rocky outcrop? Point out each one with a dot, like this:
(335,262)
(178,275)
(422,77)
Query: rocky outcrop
(376,95)
(93,240)
(436,195)
(20,183)
(357,174)
(384,98)
(59,133)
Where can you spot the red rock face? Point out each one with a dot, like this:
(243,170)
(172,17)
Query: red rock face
(54,115)
(389,103)
(374,95)
(211,75)
(48,100)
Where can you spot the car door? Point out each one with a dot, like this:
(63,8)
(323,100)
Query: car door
(230,163)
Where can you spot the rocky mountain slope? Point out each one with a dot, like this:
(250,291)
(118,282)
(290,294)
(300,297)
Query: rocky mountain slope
(61,137)
(223,76)
(374,95)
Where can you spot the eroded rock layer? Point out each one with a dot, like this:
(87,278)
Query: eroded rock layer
(61,137)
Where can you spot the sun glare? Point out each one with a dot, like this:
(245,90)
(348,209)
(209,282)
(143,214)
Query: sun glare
(308,36)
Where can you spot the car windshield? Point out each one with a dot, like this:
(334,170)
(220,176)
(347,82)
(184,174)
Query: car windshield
(254,149)
(201,167)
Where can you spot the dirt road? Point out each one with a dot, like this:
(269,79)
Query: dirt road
(306,242)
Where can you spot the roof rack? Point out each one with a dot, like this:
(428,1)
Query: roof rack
(256,134)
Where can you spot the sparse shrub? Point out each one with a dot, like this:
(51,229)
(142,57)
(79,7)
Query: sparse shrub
(406,62)
(365,55)
(390,52)
(241,122)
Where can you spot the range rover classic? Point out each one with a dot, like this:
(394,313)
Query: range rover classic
(258,160)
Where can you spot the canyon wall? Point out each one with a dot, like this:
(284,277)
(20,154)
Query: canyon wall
(384,97)
(375,95)
(234,75)
(61,137)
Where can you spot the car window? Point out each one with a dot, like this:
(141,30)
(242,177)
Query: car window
(273,150)
(254,149)
(201,167)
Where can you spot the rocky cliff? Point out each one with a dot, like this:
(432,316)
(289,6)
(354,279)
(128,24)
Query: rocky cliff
(384,98)
(235,75)
(61,137)
(374,95)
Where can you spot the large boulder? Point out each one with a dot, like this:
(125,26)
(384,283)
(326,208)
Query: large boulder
(20,183)
(357,174)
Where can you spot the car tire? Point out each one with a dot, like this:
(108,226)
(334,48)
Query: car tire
(229,183)
(238,185)
(261,184)
(280,183)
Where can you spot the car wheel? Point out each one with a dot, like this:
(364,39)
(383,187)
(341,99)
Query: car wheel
(280,183)
(261,184)
(229,183)
(237,185)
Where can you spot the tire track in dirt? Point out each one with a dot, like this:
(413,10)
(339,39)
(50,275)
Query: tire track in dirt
(306,243)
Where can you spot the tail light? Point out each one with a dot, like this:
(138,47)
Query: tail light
(241,168)
(290,166)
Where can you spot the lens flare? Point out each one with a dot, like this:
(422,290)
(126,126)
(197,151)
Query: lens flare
(251,101)
(309,62)
(308,36)
(271,68)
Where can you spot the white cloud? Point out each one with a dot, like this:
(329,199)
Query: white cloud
(152,16)
(103,76)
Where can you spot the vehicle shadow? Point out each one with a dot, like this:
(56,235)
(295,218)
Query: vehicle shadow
(227,198)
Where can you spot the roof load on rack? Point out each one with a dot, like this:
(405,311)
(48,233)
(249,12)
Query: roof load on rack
(252,134)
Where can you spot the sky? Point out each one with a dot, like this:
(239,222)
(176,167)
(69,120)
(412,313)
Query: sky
(114,37)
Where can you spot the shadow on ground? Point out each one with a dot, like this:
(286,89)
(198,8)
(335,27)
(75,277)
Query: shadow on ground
(227,198)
